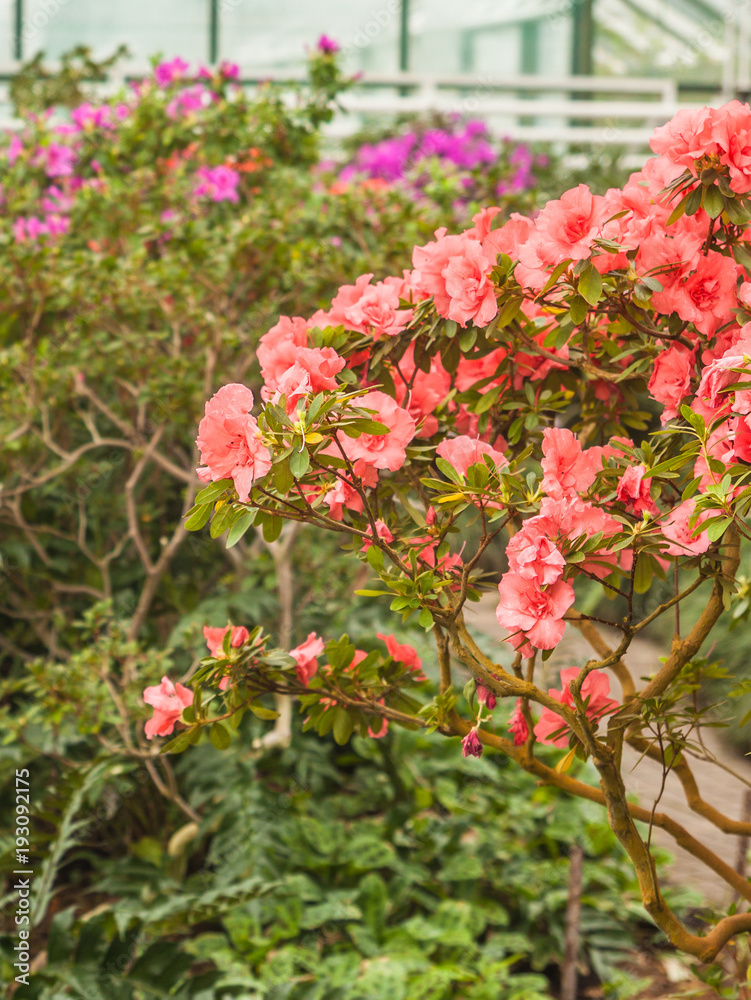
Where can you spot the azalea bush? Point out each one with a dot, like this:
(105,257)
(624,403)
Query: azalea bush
(458,165)
(450,161)
(575,387)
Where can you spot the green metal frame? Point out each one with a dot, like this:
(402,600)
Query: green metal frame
(583,36)
(17,29)
(213,31)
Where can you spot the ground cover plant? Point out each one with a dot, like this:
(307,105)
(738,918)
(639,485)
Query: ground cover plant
(501,379)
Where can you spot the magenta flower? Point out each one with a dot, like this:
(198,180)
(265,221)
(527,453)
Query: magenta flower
(168,72)
(327,45)
(486,697)
(518,725)
(218,183)
(471,746)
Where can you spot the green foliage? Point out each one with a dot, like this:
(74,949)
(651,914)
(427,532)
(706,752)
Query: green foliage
(386,869)
(35,88)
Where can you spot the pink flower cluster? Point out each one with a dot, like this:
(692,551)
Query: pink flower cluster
(230,440)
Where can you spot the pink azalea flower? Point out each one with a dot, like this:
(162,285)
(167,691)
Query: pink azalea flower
(229,70)
(718,375)
(471,746)
(633,491)
(229,440)
(685,540)
(277,349)
(369,309)
(382,451)
(462,452)
(670,381)
(342,496)
(454,270)
(567,469)
(168,701)
(594,692)
(564,229)
(383,532)
(401,652)
(532,555)
(686,137)
(518,725)
(215,637)
(709,294)
(538,614)
(421,392)
(313,371)
(306,657)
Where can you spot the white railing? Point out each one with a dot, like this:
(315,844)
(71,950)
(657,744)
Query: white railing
(590,110)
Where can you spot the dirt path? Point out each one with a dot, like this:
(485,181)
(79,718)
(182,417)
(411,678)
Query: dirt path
(643,777)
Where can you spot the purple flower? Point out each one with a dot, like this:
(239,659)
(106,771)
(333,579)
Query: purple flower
(57,160)
(230,71)
(167,72)
(217,183)
(14,149)
(327,45)
(471,746)
(88,115)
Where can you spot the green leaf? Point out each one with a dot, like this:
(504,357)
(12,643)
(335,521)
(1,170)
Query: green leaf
(219,736)
(261,712)
(559,269)
(644,573)
(713,202)
(677,212)
(717,530)
(197,517)
(693,201)
(272,528)
(742,253)
(590,284)
(425,619)
(736,212)
(239,528)
(214,491)
(364,425)
(283,477)
(299,463)
(343,725)
(223,518)
(509,312)
(578,310)
(467,338)
(182,741)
